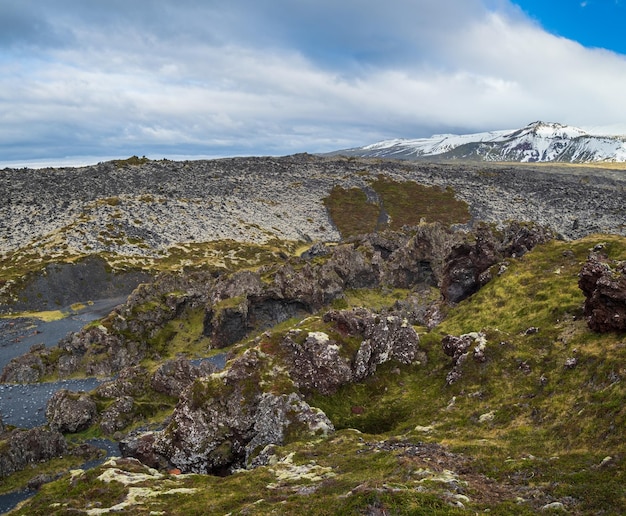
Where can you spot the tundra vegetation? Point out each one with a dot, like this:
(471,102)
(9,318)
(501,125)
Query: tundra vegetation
(533,419)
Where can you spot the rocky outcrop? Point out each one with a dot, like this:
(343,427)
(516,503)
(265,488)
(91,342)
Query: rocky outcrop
(467,266)
(384,338)
(214,420)
(174,376)
(284,417)
(315,361)
(20,448)
(459,349)
(604,286)
(224,420)
(430,255)
(28,368)
(71,412)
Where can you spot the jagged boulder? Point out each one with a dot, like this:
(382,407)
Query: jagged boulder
(20,448)
(117,415)
(214,419)
(315,361)
(131,381)
(68,411)
(385,338)
(604,286)
(28,368)
(280,418)
(141,446)
(459,349)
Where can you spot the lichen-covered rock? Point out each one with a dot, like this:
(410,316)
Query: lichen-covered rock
(315,362)
(214,419)
(280,418)
(28,368)
(604,286)
(131,381)
(385,338)
(20,448)
(174,376)
(69,411)
(141,447)
(459,349)
(118,415)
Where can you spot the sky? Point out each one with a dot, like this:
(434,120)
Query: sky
(82,81)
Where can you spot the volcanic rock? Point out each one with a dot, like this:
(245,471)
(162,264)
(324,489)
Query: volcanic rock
(604,286)
(69,411)
(23,447)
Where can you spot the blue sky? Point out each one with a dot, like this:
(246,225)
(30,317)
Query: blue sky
(82,81)
(593,23)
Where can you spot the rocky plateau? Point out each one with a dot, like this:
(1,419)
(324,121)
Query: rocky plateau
(438,367)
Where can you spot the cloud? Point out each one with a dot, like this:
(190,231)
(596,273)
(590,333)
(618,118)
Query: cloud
(276,76)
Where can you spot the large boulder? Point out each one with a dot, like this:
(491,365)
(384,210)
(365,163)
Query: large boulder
(28,368)
(604,286)
(384,338)
(71,412)
(281,418)
(20,448)
(315,362)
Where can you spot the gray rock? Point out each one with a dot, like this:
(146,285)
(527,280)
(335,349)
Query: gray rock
(277,416)
(71,412)
(315,362)
(554,506)
(459,349)
(174,376)
(118,415)
(24,447)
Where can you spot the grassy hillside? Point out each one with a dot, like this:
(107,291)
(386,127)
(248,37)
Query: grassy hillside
(541,423)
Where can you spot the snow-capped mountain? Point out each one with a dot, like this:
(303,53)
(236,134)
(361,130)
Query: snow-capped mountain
(537,142)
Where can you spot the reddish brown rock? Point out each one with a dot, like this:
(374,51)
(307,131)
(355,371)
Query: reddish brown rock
(604,286)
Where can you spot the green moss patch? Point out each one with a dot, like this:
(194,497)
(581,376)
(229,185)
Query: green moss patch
(397,204)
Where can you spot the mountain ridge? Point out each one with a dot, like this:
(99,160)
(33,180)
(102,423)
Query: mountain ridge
(538,142)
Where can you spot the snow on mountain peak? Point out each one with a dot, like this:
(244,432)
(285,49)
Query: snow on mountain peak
(537,142)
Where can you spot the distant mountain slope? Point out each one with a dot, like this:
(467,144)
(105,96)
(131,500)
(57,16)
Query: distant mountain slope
(537,142)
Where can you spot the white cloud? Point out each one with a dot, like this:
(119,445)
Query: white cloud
(280,77)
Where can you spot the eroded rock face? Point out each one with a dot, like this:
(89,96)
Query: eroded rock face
(24,447)
(385,338)
(214,419)
(223,420)
(604,286)
(277,416)
(467,266)
(71,412)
